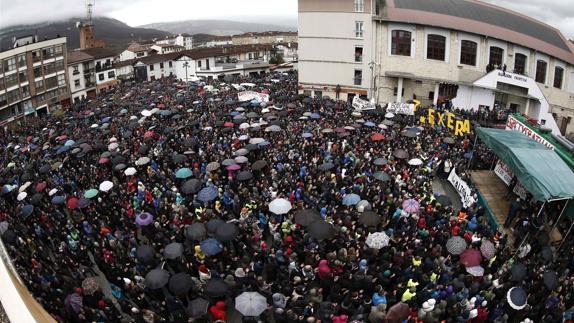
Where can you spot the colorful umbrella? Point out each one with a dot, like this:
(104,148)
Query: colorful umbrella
(411,206)
(211,247)
(91,193)
(351,199)
(207,194)
(517,298)
(183,173)
(470,258)
(144,219)
(487,249)
(456,245)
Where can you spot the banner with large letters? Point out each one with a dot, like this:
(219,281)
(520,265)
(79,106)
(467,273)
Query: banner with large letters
(462,188)
(401,108)
(252,95)
(505,173)
(362,105)
(447,120)
(514,124)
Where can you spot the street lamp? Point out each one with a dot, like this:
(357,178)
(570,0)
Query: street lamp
(186,65)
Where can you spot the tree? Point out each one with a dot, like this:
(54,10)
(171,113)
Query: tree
(276,59)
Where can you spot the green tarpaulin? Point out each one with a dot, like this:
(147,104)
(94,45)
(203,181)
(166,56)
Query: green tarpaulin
(540,170)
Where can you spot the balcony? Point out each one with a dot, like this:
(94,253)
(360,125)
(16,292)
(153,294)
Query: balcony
(104,67)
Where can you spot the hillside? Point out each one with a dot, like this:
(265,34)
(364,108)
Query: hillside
(216,27)
(115,32)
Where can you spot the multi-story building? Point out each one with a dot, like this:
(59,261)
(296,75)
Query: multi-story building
(33,79)
(105,72)
(470,53)
(183,40)
(136,50)
(166,48)
(219,41)
(267,37)
(81,75)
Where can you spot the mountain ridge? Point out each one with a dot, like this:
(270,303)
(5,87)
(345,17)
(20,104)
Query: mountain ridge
(217,27)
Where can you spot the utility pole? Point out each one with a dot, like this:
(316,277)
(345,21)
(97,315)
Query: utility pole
(186,65)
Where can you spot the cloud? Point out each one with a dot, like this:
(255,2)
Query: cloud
(556,13)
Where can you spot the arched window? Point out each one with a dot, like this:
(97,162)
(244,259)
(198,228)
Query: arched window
(468,51)
(520,63)
(541,71)
(558,77)
(436,47)
(496,55)
(401,42)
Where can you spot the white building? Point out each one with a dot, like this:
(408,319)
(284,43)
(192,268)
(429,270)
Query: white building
(167,49)
(136,50)
(183,40)
(81,75)
(105,72)
(434,52)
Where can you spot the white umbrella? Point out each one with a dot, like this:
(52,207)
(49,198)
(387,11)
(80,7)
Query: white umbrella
(154,110)
(382,126)
(389,115)
(93,126)
(250,304)
(256,141)
(52,192)
(21,196)
(415,162)
(476,271)
(106,186)
(24,187)
(243,137)
(146,113)
(244,125)
(142,161)
(241,159)
(113,139)
(113,146)
(130,171)
(280,206)
(377,240)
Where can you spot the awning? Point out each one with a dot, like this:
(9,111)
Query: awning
(540,170)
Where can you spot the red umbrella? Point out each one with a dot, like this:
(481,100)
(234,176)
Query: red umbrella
(228,124)
(398,313)
(103,160)
(470,258)
(377,137)
(161,106)
(40,187)
(62,137)
(73,203)
(148,134)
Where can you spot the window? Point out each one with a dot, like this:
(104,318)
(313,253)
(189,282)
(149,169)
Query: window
(358,29)
(358,77)
(11,80)
(151,67)
(161,65)
(468,51)
(359,6)
(436,47)
(61,80)
(541,71)
(558,76)
(25,91)
(76,83)
(10,64)
(358,54)
(101,76)
(36,57)
(13,95)
(23,77)
(37,71)
(431,95)
(318,94)
(58,50)
(170,64)
(59,65)
(51,82)
(396,91)
(48,52)
(3,100)
(39,86)
(76,71)
(22,60)
(401,42)
(496,54)
(519,63)
(111,74)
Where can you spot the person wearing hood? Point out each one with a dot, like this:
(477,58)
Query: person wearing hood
(378,314)
(379,296)
(323,269)
(199,255)
(279,300)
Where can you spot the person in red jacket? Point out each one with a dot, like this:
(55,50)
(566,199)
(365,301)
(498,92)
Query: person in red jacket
(217,311)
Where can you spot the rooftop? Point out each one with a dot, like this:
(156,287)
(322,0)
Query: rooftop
(78,56)
(99,52)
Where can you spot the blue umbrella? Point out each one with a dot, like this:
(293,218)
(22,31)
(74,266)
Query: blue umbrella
(264,143)
(351,199)
(63,149)
(307,135)
(369,124)
(27,210)
(211,247)
(234,113)
(207,194)
(106,119)
(82,203)
(315,116)
(69,143)
(7,189)
(59,200)
(468,155)
(183,173)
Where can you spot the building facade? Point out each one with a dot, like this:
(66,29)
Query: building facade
(81,76)
(136,50)
(267,37)
(33,79)
(183,40)
(426,50)
(104,69)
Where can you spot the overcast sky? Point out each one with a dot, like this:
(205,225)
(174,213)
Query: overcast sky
(558,13)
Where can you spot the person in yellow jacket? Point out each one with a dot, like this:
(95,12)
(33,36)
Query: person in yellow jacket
(412,283)
(199,255)
(417,261)
(409,294)
(286,228)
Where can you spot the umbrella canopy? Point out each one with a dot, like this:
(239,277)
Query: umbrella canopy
(259,165)
(183,173)
(228,162)
(369,219)
(518,272)
(21,196)
(476,271)
(27,210)
(213,166)
(517,298)
(380,161)
(173,250)
(326,166)
(321,230)
(192,186)
(211,247)
(401,154)
(142,161)
(226,232)
(377,137)
(411,206)
(351,199)
(250,304)
(105,186)
(74,302)
(306,217)
(156,278)
(456,245)
(241,152)
(244,176)
(415,162)
(212,225)
(382,176)
(487,249)
(91,193)
(180,283)
(444,200)
(470,258)
(40,187)
(90,285)
(448,140)
(58,200)
(36,199)
(145,254)
(196,231)
(207,194)
(377,240)
(197,307)
(177,158)
(130,171)
(216,288)
(280,206)
(144,219)
(550,279)
(398,313)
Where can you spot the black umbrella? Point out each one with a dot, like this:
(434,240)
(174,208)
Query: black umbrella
(401,154)
(192,186)
(120,167)
(118,160)
(36,199)
(216,288)
(9,236)
(212,225)
(518,272)
(27,210)
(252,147)
(180,283)
(156,278)
(228,162)
(444,200)
(45,169)
(321,230)
(409,134)
(226,232)
(177,158)
(546,254)
(173,250)
(380,161)
(370,219)
(517,298)
(196,231)
(306,217)
(244,176)
(550,280)
(326,166)
(259,165)
(145,254)
(143,149)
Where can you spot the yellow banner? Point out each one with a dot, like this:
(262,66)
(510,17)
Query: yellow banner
(446,120)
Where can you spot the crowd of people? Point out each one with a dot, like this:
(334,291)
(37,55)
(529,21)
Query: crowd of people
(171,202)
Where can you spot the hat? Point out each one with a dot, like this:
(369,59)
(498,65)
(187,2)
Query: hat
(473,313)
(239,273)
(427,307)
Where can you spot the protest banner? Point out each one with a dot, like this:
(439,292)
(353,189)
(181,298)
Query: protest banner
(462,188)
(362,105)
(252,95)
(514,124)
(446,120)
(401,108)
(503,172)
